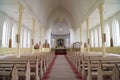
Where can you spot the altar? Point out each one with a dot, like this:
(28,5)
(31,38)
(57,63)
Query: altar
(60,47)
(60,51)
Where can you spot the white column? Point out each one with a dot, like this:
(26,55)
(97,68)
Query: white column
(98,36)
(19,30)
(102,29)
(81,38)
(40,40)
(88,35)
(33,32)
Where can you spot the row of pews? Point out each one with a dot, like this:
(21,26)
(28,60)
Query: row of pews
(92,66)
(28,67)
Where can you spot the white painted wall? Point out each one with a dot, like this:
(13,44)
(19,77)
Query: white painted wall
(42,36)
(37,34)
(84,36)
(2,17)
(77,35)
(84,33)
(72,36)
(48,36)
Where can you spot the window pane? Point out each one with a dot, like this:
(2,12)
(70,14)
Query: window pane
(116,32)
(6,33)
(96,38)
(107,32)
(100,37)
(92,39)
(14,32)
(29,39)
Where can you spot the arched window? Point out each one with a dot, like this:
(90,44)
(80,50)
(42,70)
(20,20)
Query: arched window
(24,38)
(6,33)
(92,39)
(29,39)
(100,37)
(96,38)
(116,33)
(107,32)
(14,32)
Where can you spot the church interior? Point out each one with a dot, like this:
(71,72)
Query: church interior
(59,39)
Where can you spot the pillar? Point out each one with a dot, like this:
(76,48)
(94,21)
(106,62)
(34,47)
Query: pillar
(40,40)
(33,32)
(102,30)
(81,38)
(88,35)
(98,37)
(19,30)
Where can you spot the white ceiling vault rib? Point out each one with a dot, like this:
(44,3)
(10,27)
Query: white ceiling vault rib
(91,7)
(78,9)
(31,11)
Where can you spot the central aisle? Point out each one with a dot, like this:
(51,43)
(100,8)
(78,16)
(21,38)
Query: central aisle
(61,70)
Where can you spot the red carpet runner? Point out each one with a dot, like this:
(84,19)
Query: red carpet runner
(62,69)
(49,69)
(74,69)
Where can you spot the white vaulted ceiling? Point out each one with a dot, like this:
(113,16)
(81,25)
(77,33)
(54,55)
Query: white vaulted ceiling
(76,10)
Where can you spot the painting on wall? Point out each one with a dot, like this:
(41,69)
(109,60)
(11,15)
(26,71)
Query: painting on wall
(60,43)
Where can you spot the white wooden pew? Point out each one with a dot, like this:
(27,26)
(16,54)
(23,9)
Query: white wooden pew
(23,66)
(94,64)
(81,61)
